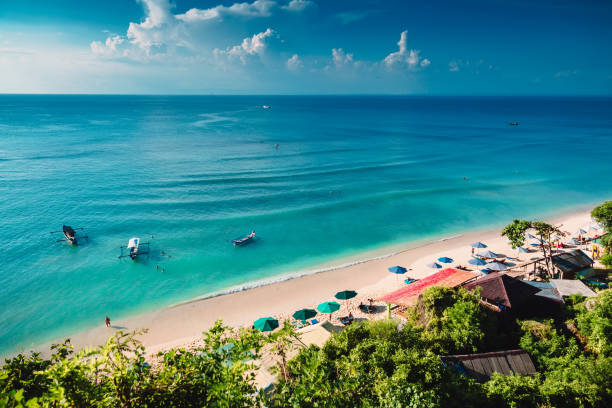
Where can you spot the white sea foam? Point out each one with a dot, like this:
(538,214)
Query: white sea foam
(288,276)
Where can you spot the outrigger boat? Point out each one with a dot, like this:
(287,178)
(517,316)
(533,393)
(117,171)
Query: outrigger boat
(244,240)
(134,248)
(70,235)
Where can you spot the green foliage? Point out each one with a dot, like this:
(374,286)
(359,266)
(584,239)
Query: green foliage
(453,320)
(603,213)
(596,324)
(515,232)
(515,391)
(372,364)
(606,260)
(220,374)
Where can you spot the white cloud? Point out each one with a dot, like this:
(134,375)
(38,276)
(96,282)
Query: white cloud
(250,46)
(162,33)
(294,63)
(404,58)
(109,47)
(299,5)
(341,58)
(259,8)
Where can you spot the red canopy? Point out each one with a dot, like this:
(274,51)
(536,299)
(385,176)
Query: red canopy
(408,295)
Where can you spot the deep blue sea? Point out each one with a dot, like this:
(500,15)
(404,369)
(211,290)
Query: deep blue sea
(348,174)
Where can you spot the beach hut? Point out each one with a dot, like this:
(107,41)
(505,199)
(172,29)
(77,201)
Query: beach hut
(518,297)
(571,263)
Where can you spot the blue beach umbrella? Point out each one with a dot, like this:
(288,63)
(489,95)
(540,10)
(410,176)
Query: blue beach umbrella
(496,266)
(477,262)
(486,271)
(488,254)
(522,250)
(445,259)
(478,245)
(434,265)
(400,270)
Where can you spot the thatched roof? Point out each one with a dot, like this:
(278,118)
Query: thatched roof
(482,366)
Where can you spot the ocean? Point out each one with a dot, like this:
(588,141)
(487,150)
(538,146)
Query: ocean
(318,178)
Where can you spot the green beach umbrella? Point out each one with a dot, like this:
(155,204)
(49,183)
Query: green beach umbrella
(304,314)
(346,294)
(328,307)
(265,324)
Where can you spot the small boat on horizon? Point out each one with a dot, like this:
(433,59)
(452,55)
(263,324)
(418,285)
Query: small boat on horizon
(244,240)
(513,123)
(266,106)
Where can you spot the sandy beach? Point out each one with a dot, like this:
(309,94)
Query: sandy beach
(181,325)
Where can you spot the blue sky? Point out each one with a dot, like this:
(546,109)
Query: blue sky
(468,47)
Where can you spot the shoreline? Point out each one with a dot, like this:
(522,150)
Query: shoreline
(181,324)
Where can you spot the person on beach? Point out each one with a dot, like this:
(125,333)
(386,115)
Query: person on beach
(107,321)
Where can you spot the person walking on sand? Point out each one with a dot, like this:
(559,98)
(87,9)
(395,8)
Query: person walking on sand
(107,321)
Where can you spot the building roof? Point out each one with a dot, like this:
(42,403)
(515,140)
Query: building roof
(408,295)
(501,289)
(572,261)
(546,289)
(523,297)
(567,287)
(482,366)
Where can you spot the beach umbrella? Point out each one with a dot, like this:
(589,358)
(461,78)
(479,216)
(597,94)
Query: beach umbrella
(477,262)
(496,266)
(580,231)
(522,250)
(488,254)
(328,307)
(575,241)
(304,314)
(346,294)
(486,271)
(445,259)
(265,324)
(478,245)
(397,270)
(434,265)
(530,236)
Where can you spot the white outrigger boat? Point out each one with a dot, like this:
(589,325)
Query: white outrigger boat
(134,248)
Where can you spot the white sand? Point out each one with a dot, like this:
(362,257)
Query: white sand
(181,326)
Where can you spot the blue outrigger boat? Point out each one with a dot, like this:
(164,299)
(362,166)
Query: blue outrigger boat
(244,240)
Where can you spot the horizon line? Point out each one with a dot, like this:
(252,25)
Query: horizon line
(308,94)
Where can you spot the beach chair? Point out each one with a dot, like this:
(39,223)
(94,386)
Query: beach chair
(298,324)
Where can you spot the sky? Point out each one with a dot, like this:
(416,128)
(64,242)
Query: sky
(436,47)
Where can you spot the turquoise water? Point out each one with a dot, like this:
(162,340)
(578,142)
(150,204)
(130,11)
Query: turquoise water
(349,174)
